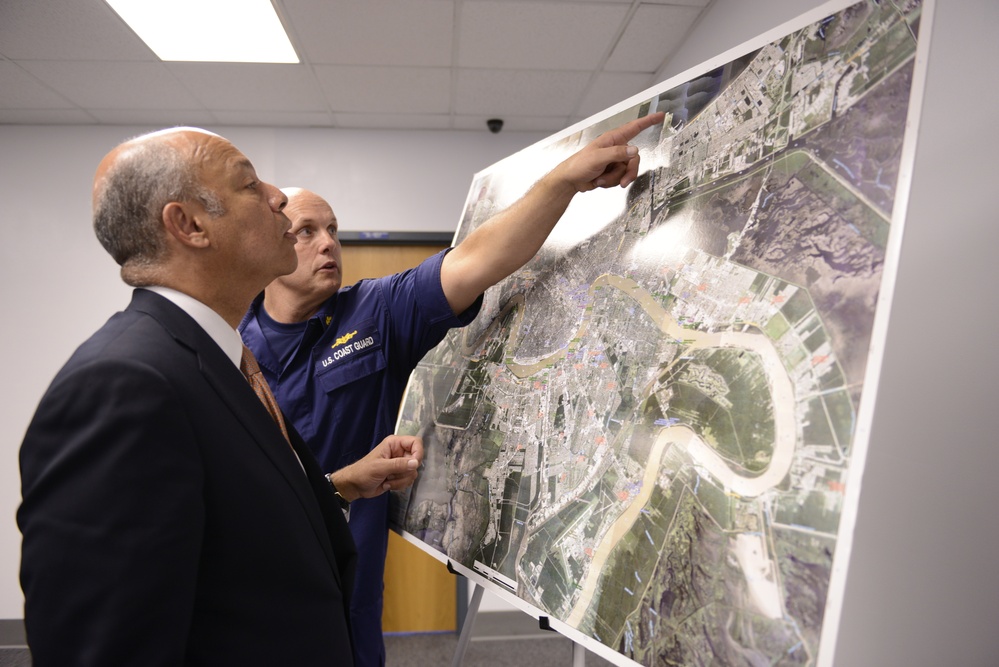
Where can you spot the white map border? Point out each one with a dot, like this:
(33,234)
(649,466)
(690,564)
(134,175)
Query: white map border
(879,334)
(837,582)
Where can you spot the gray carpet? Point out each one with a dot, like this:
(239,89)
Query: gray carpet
(438,649)
(15,657)
(426,650)
(499,639)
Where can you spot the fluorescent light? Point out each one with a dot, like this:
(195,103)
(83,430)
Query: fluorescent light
(224,31)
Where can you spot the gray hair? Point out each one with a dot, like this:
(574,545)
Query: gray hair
(129,201)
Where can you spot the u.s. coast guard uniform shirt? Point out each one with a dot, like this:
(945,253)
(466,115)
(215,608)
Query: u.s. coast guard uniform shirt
(340,376)
(344,373)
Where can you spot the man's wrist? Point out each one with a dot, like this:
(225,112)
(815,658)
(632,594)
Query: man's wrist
(344,503)
(556,185)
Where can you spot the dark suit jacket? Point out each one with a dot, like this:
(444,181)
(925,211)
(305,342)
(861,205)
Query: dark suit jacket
(166,521)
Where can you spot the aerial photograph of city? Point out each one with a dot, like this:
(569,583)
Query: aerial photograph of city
(648,431)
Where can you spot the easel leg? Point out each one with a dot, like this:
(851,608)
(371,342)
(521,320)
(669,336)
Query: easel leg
(578,655)
(466,626)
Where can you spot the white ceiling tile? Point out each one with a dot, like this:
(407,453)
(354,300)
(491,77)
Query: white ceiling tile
(373,32)
(104,85)
(45,117)
(393,121)
(23,91)
(653,34)
(244,86)
(533,62)
(611,88)
(518,92)
(535,35)
(67,30)
(420,90)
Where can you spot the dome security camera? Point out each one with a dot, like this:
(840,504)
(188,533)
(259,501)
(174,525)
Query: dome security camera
(495,125)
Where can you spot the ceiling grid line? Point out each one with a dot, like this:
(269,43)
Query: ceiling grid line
(603,60)
(540,65)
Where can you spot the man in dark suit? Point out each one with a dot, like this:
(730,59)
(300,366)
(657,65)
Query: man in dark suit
(165,518)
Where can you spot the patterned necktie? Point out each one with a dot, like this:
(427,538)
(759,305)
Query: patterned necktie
(251,369)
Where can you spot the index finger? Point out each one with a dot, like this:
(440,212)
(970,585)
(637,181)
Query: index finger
(631,129)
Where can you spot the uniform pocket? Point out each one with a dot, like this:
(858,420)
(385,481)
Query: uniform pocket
(351,358)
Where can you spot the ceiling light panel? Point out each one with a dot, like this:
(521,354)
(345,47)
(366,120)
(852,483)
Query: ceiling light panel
(227,31)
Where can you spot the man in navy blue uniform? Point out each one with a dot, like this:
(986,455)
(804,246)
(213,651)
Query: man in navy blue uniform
(338,359)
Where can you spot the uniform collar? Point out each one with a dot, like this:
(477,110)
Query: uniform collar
(325,313)
(324,316)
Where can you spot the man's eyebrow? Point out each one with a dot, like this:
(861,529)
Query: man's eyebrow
(244,163)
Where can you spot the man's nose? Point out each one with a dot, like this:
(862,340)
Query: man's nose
(277,199)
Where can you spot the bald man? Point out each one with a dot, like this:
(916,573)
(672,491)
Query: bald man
(168,517)
(339,359)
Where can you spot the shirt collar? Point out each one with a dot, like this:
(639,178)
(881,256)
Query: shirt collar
(217,328)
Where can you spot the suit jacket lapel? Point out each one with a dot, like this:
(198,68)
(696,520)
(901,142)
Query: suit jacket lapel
(237,394)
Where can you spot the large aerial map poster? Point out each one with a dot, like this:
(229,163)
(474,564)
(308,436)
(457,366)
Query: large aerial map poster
(650,431)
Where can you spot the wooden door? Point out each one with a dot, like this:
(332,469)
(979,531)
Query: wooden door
(375,261)
(420,594)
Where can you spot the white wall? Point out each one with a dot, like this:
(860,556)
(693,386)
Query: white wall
(923,585)
(59,285)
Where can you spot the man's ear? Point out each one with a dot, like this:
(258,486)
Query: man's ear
(182,221)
